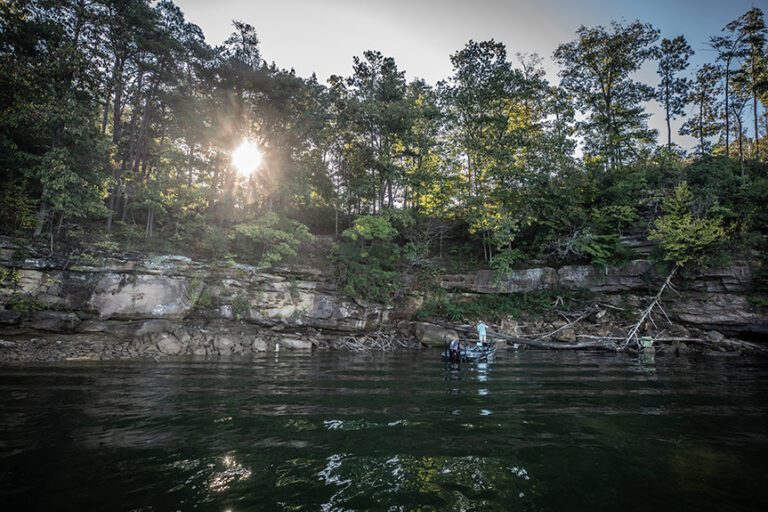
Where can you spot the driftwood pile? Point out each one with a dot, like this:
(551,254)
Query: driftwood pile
(629,342)
(376,342)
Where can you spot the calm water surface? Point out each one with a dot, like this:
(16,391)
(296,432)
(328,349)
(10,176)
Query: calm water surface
(334,431)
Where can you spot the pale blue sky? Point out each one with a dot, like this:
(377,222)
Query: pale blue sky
(322,36)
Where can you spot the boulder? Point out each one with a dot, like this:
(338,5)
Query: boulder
(154,327)
(168,344)
(259,345)
(568,334)
(295,343)
(715,337)
(223,343)
(434,335)
(407,307)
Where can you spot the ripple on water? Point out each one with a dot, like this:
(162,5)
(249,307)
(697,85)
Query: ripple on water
(532,431)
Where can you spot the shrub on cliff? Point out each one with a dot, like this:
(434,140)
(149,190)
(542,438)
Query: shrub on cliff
(683,237)
(269,239)
(366,259)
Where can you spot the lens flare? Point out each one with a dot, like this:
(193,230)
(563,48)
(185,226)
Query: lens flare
(246,158)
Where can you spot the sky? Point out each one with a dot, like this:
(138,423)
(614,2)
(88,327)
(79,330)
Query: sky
(322,36)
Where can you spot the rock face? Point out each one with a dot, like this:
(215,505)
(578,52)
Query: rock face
(174,288)
(140,296)
(710,299)
(171,305)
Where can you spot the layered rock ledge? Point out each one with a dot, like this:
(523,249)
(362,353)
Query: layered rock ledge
(171,305)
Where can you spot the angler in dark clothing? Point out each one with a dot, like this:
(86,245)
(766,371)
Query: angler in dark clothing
(454,351)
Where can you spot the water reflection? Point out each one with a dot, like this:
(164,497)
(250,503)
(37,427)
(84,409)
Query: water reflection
(229,472)
(534,431)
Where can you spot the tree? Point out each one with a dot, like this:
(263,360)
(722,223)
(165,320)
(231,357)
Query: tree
(683,237)
(704,96)
(381,118)
(730,48)
(596,69)
(485,121)
(755,67)
(49,141)
(672,91)
(367,258)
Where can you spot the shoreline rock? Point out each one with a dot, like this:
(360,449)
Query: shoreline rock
(167,306)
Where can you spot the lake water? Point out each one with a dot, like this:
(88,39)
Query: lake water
(336,431)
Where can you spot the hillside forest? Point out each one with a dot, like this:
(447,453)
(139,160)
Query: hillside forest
(118,122)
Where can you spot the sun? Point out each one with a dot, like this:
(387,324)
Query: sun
(246,158)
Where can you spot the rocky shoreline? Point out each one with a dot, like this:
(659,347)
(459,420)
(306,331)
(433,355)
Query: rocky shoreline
(104,307)
(155,339)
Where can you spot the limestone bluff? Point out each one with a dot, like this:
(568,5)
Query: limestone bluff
(118,307)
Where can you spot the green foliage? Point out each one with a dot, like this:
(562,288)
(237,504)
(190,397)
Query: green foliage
(241,307)
(457,309)
(507,260)
(194,291)
(682,237)
(598,70)
(614,218)
(269,239)
(9,277)
(204,240)
(17,208)
(760,301)
(293,290)
(370,228)
(23,303)
(366,260)
(600,249)
(427,274)
(123,110)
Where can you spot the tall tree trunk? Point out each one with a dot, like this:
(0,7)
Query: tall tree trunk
(757,132)
(150,222)
(117,107)
(754,108)
(469,177)
(727,111)
(669,126)
(741,144)
(701,125)
(124,212)
(42,215)
(105,115)
(190,155)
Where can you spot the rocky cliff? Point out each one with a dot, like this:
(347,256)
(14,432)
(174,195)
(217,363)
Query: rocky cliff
(713,299)
(171,305)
